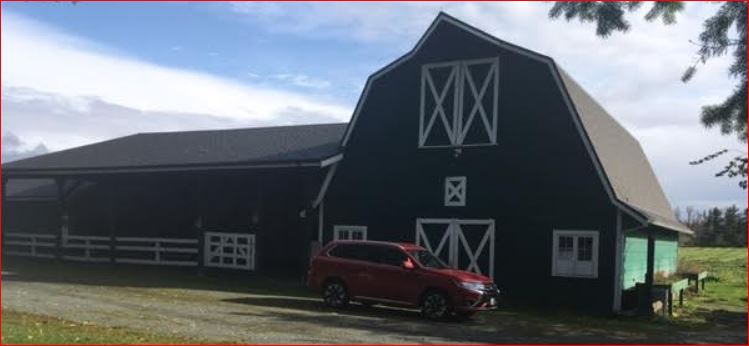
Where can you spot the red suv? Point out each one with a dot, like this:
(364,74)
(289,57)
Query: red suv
(399,274)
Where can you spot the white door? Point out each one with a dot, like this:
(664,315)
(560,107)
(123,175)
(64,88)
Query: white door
(229,250)
(461,244)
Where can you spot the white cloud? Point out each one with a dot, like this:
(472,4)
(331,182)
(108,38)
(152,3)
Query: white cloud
(302,80)
(40,59)
(369,22)
(14,148)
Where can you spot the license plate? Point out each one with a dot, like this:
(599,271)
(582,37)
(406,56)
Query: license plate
(493,301)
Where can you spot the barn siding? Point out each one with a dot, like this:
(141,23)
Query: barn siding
(538,178)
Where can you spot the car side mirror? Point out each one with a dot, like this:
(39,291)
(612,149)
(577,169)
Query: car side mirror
(407,264)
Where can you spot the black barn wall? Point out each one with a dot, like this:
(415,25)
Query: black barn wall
(538,178)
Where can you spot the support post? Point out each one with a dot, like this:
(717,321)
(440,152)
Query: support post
(3,205)
(63,226)
(112,221)
(650,273)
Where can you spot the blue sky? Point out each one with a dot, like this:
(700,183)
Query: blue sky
(80,73)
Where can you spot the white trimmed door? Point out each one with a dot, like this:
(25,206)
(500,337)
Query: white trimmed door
(460,243)
(229,250)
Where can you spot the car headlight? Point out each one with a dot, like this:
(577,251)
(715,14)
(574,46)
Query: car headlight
(471,286)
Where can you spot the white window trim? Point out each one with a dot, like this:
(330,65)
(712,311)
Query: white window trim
(575,234)
(460,191)
(337,229)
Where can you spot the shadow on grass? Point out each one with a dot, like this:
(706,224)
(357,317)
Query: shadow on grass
(502,326)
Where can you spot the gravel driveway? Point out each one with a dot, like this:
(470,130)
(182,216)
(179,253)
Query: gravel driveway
(233,313)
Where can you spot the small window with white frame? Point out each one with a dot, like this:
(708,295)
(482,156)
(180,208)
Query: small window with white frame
(455,191)
(575,254)
(348,232)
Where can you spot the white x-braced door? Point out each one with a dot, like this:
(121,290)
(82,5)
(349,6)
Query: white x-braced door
(461,244)
(459,103)
(229,250)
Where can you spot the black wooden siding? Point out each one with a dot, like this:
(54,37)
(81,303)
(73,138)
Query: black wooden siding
(538,178)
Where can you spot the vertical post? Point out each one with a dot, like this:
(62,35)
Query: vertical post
(650,273)
(201,243)
(3,205)
(112,220)
(63,226)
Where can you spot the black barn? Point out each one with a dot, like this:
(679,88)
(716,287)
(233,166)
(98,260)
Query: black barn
(485,152)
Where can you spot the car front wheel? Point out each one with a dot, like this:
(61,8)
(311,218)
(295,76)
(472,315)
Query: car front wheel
(335,294)
(435,306)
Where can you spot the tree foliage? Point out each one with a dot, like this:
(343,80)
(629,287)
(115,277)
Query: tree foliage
(723,33)
(716,226)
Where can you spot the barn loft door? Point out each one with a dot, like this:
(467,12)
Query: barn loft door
(459,103)
(461,244)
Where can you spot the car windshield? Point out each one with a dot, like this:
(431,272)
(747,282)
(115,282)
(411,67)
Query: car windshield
(426,259)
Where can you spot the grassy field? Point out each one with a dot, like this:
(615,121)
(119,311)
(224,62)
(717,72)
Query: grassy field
(726,289)
(22,328)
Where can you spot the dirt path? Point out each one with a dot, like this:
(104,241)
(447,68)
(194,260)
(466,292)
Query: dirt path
(246,317)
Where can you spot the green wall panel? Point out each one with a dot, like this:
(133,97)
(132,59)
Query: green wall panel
(636,255)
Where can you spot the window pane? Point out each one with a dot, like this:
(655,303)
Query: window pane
(565,247)
(390,256)
(584,249)
(357,235)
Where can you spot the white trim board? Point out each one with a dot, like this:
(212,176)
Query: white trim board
(324,187)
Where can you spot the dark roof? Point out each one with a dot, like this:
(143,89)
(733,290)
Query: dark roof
(624,162)
(237,147)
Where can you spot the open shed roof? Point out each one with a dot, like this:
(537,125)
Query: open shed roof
(263,146)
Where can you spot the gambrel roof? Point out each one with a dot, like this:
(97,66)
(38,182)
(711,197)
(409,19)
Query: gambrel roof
(623,160)
(261,146)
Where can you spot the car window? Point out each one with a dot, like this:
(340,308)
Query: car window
(389,255)
(352,251)
(427,259)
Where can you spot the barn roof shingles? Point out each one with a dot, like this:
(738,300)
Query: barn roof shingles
(261,145)
(624,162)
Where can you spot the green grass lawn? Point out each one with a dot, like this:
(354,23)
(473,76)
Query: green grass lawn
(721,305)
(23,328)
(726,288)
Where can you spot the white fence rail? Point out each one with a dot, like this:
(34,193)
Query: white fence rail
(159,251)
(133,250)
(30,244)
(89,246)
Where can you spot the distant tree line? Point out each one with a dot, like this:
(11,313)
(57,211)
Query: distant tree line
(715,226)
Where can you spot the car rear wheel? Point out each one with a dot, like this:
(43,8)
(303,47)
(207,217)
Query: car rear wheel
(435,306)
(335,294)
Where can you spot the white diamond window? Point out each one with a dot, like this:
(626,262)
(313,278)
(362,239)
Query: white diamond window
(455,191)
